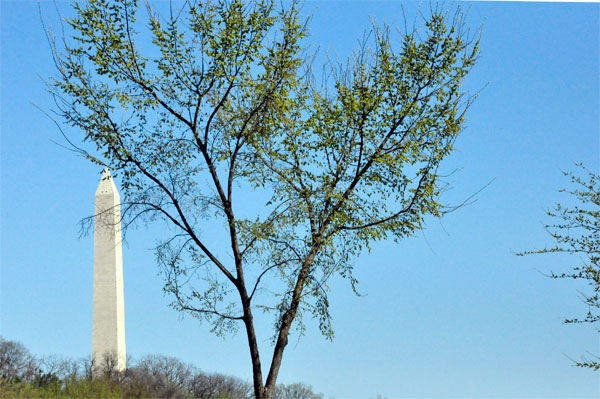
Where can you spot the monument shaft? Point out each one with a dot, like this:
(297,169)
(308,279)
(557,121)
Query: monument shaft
(108,330)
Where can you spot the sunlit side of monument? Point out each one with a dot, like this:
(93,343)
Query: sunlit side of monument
(108,331)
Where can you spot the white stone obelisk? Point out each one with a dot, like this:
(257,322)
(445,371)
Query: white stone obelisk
(108,330)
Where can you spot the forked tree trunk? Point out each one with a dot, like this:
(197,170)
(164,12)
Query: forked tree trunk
(266,391)
(284,329)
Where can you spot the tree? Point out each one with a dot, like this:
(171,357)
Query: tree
(220,386)
(295,391)
(576,231)
(167,377)
(224,100)
(152,376)
(16,363)
(106,366)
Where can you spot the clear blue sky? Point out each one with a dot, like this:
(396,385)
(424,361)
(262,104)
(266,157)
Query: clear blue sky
(451,312)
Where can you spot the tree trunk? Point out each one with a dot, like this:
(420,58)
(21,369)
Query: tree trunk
(253,346)
(286,324)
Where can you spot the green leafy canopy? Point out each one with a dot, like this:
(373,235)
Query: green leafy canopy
(214,109)
(229,95)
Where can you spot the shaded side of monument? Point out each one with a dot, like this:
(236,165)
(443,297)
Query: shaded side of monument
(108,330)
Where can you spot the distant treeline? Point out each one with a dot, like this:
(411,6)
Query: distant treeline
(23,375)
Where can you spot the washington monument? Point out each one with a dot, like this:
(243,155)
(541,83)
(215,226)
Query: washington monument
(108,331)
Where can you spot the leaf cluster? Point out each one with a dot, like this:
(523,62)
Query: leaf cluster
(225,98)
(576,231)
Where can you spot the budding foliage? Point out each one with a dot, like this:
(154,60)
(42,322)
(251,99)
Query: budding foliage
(212,109)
